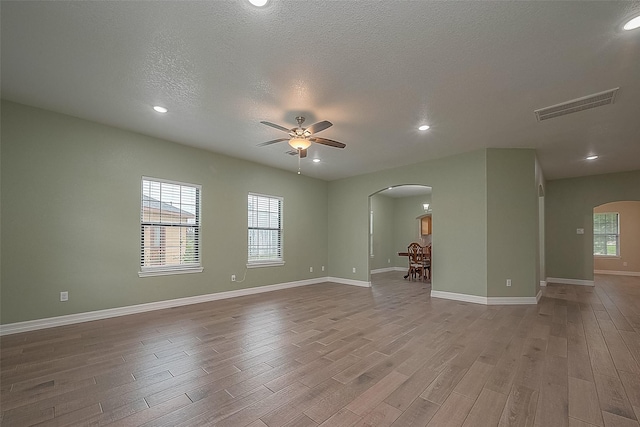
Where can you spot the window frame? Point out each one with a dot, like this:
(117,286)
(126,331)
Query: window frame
(270,262)
(160,227)
(605,235)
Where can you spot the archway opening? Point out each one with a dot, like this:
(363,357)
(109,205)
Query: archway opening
(398,216)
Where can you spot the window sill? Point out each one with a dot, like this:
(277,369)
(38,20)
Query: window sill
(168,272)
(265,264)
(608,256)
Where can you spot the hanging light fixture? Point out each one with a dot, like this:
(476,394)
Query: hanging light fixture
(299,143)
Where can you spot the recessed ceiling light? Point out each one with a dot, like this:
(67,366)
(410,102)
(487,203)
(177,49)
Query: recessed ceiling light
(592,157)
(316,160)
(258,3)
(632,24)
(423,127)
(390,188)
(160,109)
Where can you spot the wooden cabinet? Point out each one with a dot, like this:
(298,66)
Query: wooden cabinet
(425,225)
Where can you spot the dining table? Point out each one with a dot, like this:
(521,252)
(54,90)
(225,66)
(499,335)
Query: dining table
(427,264)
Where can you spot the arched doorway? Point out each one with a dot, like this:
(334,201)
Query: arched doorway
(395,214)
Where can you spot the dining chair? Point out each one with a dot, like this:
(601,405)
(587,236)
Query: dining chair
(426,262)
(416,255)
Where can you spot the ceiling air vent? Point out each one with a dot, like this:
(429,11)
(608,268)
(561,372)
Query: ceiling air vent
(586,102)
(292,152)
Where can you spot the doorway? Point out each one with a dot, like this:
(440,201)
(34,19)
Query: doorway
(395,221)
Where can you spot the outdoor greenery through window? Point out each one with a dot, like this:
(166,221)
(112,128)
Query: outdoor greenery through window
(265,229)
(169,226)
(606,234)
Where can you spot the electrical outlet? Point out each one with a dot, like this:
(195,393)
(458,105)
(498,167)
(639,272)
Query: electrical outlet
(508,282)
(310,269)
(624,264)
(64,296)
(388,260)
(354,269)
(323,268)
(233,277)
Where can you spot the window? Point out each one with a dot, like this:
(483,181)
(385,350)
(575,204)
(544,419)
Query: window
(169,228)
(371,234)
(606,234)
(265,230)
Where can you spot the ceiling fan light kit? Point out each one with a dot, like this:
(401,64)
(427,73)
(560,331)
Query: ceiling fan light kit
(299,143)
(302,138)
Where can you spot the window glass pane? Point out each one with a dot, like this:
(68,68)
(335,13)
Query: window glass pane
(170,218)
(264,218)
(606,238)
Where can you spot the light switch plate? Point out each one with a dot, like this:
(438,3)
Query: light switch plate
(579,230)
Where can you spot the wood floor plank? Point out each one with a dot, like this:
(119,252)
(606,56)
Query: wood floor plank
(401,358)
(474,380)
(402,397)
(440,388)
(583,401)
(613,397)
(452,412)
(372,397)
(383,415)
(300,421)
(254,411)
(520,409)
(486,410)
(631,384)
(149,414)
(418,413)
(613,420)
(342,418)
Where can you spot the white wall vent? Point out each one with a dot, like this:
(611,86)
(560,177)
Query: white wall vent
(586,102)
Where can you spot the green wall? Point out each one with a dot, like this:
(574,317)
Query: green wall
(71,200)
(512,223)
(569,205)
(459,187)
(71,206)
(383,222)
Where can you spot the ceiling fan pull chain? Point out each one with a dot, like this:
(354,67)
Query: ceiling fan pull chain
(299,162)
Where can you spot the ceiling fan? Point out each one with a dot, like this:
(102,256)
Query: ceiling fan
(301,138)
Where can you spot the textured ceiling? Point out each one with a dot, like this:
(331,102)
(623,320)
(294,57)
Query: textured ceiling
(474,71)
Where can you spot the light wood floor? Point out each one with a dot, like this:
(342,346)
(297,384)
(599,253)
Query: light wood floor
(338,355)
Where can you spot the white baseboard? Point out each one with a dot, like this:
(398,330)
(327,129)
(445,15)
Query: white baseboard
(543,283)
(32,325)
(539,295)
(486,300)
(349,282)
(387,269)
(569,281)
(618,273)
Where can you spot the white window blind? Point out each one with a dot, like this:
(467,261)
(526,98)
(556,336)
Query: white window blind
(265,229)
(169,227)
(606,234)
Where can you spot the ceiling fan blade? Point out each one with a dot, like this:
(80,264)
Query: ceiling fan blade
(273,125)
(272,142)
(329,142)
(303,153)
(317,127)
